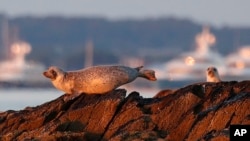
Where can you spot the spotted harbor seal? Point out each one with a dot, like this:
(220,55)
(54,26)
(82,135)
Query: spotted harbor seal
(95,80)
(213,75)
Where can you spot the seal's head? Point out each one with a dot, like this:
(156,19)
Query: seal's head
(212,75)
(54,73)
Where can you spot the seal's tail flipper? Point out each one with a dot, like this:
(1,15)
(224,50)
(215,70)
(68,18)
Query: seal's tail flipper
(139,68)
(148,74)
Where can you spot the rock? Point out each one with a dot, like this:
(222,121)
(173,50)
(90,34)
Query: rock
(201,111)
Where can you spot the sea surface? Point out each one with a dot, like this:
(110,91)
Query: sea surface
(20,98)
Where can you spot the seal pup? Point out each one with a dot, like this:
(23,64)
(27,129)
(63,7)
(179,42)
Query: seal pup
(213,75)
(95,80)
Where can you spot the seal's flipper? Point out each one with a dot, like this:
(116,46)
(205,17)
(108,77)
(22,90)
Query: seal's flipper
(139,68)
(148,74)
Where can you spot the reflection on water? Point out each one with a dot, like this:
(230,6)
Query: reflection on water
(18,99)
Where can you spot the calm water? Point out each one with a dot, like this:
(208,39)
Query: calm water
(18,99)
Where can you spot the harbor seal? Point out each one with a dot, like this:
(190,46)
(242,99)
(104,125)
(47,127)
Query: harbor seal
(95,80)
(213,75)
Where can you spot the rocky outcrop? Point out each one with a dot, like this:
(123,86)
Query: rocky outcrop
(197,112)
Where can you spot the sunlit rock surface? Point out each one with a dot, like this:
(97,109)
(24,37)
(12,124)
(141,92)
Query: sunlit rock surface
(201,111)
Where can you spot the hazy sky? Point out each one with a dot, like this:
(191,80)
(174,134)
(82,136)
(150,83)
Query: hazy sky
(216,12)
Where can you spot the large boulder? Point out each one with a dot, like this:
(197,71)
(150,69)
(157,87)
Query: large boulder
(201,111)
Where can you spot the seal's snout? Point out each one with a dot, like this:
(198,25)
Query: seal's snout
(148,74)
(45,74)
(210,72)
(48,75)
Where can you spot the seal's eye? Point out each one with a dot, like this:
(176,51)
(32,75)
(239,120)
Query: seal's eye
(53,73)
(215,69)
